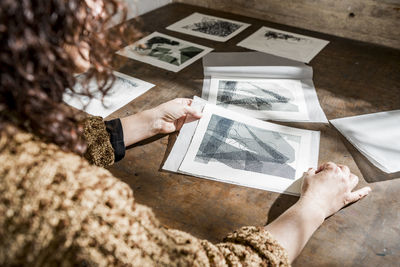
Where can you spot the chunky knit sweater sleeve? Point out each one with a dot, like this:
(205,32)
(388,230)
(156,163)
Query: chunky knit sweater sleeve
(59,210)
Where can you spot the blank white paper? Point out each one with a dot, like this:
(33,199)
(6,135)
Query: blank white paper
(376,136)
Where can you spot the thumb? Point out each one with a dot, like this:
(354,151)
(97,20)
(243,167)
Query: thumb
(357,195)
(192,112)
(311,171)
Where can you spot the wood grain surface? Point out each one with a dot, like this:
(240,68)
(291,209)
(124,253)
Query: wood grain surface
(350,77)
(364,20)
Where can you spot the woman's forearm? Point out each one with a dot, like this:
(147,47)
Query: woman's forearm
(295,226)
(138,127)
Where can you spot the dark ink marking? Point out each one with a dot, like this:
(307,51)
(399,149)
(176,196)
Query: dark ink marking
(214,27)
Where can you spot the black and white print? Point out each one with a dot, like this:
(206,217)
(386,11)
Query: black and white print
(248,148)
(164,51)
(260,98)
(210,27)
(284,44)
(231,147)
(124,89)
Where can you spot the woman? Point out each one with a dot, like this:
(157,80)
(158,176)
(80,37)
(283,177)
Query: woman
(58,209)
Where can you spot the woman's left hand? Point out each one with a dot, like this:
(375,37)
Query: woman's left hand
(165,118)
(170,116)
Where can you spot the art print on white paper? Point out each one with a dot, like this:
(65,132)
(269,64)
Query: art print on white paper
(284,44)
(165,52)
(123,91)
(237,149)
(260,98)
(209,27)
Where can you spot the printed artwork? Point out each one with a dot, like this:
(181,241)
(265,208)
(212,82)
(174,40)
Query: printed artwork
(210,27)
(124,89)
(230,147)
(260,98)
(164,51)
(285,44)
(248,148)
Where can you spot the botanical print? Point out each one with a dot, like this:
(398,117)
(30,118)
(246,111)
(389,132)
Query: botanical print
(165,51)
(248,148)
(285,44)
(210,27)
(261,98)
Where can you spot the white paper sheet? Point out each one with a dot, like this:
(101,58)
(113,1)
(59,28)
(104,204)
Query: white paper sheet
(123,91)
(284,44)
(209,27)
(165,51)
(254,64)
(182,143)
(225,174)
(280,99)
(260,65)
(376,136)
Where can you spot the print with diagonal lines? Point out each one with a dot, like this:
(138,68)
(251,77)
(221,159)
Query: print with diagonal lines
(248,148)
(255,96)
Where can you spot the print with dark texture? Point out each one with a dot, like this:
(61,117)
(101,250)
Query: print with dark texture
(244,147)
(260,98)
(214,27)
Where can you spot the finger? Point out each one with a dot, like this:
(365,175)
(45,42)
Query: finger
(311,171)
(327,166)
(192,112)
(357,195)
(179,123)
(183,101)
(345,170)
(353,181)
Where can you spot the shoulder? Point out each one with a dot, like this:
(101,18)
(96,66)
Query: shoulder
(46,194)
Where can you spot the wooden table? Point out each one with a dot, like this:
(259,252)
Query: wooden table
(351,78)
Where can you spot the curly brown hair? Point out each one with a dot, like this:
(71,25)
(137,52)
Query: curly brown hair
(36,69)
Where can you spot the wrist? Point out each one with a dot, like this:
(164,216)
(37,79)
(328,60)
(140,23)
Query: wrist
(311,209)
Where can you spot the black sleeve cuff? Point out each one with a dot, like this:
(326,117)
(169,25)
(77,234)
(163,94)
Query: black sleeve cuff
(114,129)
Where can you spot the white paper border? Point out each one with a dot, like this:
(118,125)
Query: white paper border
(245,178)
(129,52)
(297,91)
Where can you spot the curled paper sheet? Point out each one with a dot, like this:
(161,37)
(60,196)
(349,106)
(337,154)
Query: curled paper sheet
(268,74)
(229,147)
(376,136)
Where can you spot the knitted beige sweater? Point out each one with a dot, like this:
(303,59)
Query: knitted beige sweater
(56,209)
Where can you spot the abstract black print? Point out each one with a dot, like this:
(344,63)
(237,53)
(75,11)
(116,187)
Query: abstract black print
(165,51)
(169,51)
(248,148)
(214,27)
(282,36)
(256,96)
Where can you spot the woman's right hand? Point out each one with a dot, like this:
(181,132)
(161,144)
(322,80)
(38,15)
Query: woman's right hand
(329,188)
